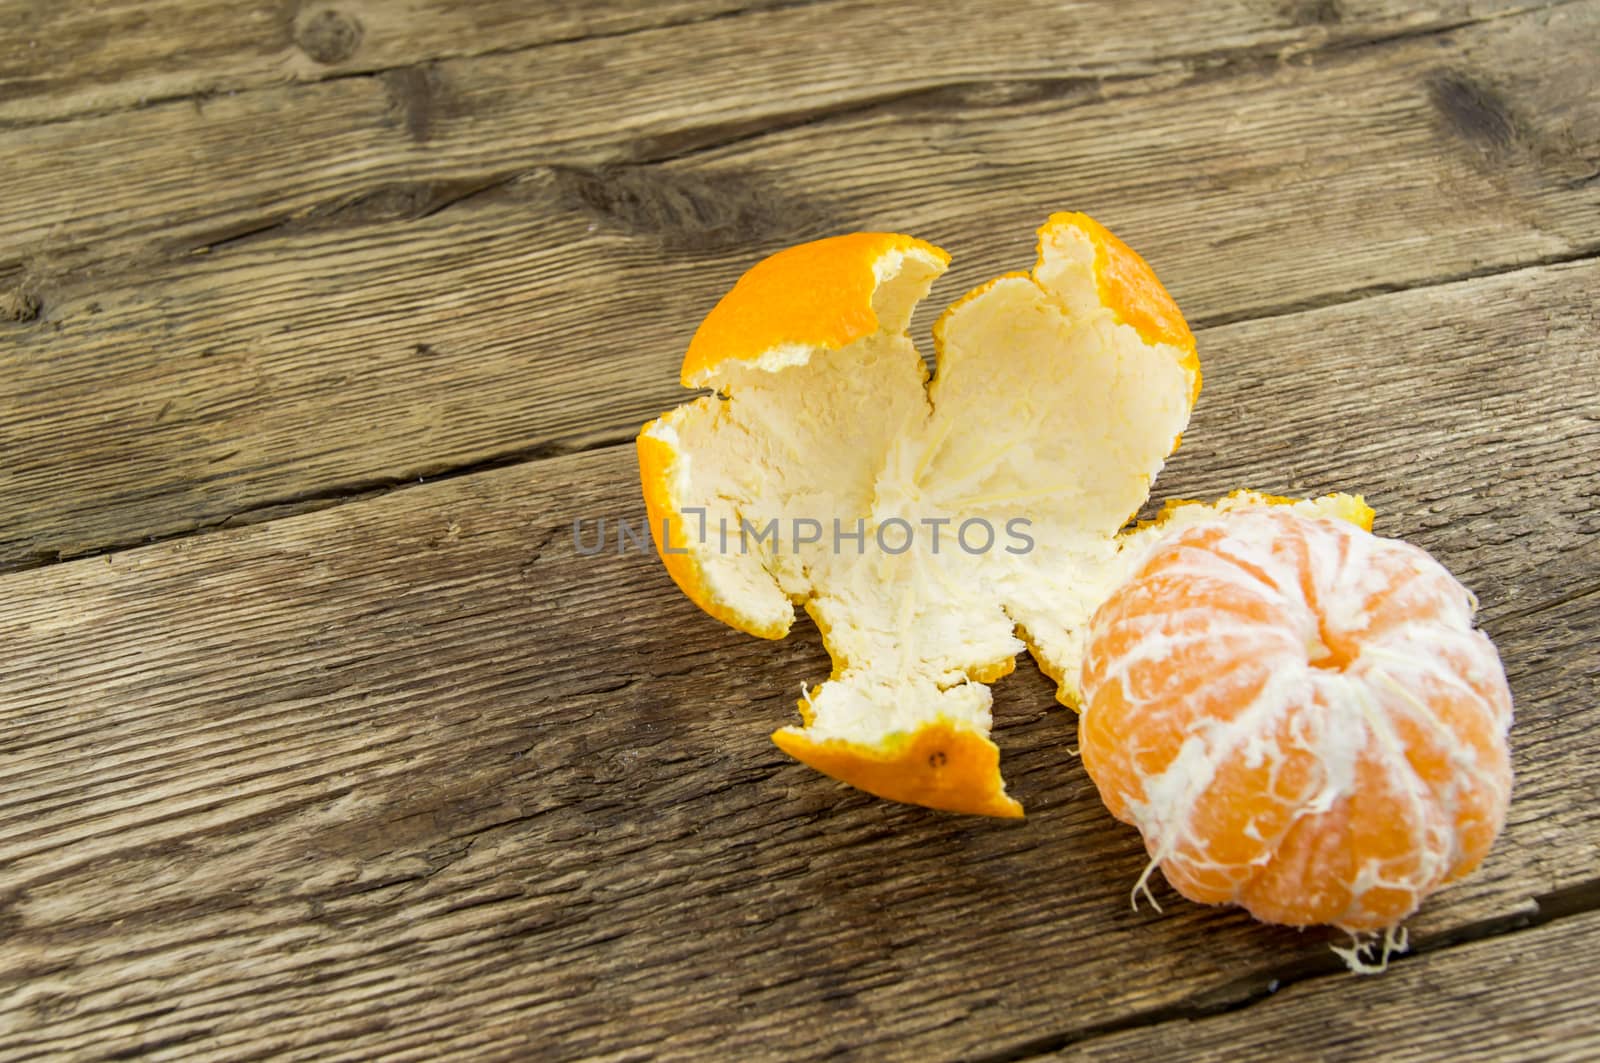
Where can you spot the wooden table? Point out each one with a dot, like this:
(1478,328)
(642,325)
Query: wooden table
(320,324)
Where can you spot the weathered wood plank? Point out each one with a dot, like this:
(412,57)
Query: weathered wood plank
(1527,996)
(186,174)
(412,775)
(546,314)
(60,60)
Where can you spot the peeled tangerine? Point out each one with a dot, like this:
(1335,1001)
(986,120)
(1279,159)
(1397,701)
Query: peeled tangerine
(1299,718)
(935,530)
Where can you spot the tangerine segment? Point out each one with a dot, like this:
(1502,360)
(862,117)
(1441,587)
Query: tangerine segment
(1299,717)
(1057,621)
(943,765)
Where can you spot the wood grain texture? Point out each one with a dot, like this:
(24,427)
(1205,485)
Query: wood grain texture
(400,330)
(192,173)
(1531,997)
(62,60)
(412,776)
(66,60)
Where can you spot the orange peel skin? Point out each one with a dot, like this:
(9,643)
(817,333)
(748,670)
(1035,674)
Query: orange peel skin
(1352,509)
(940,766)
(1130,288)
(761,312)
(1059,393)
(655,464)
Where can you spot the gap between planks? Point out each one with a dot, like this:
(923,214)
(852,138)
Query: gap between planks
(667,130)
(265,355)
(435,625)
(341,494)
(1322,37)
(1263,986)
(341,71)
(1214,65)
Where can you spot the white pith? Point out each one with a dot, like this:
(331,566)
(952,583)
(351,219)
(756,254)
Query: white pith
(1338,717)
(1044,407)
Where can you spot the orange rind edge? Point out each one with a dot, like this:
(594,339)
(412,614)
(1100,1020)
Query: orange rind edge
(760,314)
(1129,288)
(941,765)
(1348,507)
(1128,285)
(667,524)
(1125,285)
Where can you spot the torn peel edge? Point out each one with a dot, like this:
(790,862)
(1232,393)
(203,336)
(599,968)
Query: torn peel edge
(942,766)
(1065,696)
(1129,288)
(807,714)
(657,461)
(1337,504)
(760,324)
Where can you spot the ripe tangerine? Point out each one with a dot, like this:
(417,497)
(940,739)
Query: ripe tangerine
(1300,718)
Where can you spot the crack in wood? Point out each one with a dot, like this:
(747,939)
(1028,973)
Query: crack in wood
(1546,606)
(405,201)
(1209,64)
(699,140)
(340,494)
(1201,66)
(198,96)
(1259,986)
(1355,295)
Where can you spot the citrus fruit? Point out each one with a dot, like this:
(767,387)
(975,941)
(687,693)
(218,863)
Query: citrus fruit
(932,530)
(1299,717)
